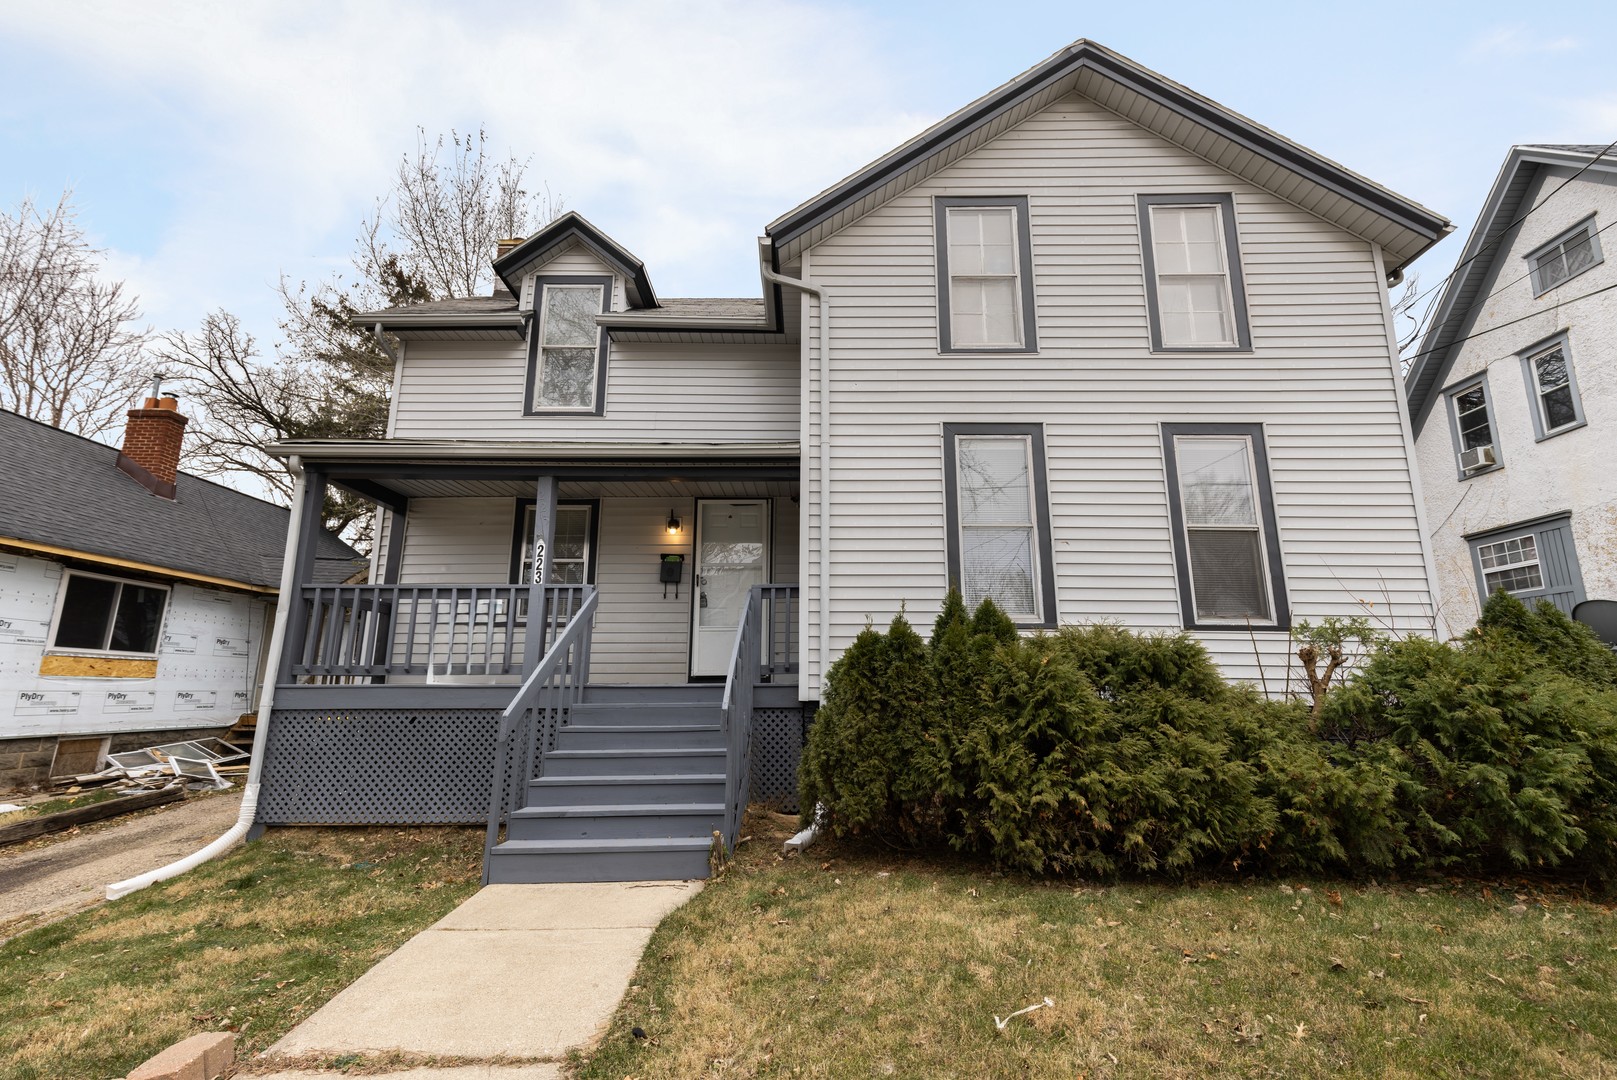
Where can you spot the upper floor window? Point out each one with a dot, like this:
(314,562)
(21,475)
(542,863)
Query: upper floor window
(999,519)
(566,349)
(1225,538)
(1565,257)
(1553,388)
(1194,289)
(1471,423)
(105,614)
(985,275)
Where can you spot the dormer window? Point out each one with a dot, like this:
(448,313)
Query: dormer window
(566,349)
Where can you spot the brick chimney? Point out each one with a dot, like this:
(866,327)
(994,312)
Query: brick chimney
(502,248)
(151,450)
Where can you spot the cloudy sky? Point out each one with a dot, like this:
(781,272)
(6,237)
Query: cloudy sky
(212,148)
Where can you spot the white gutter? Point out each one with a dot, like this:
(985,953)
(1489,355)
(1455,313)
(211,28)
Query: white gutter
(823,572)
(272,664)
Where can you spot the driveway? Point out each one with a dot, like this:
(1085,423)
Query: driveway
(38,884)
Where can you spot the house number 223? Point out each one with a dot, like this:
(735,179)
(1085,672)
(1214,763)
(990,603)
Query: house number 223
(538,561)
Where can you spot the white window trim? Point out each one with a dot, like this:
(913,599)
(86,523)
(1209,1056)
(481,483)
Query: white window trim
(1014,277)
(1026,320)
(1507,567)
(1223,276)
(1587,227)
(1256,528)
(52,649)
(525,544)
(1234,275)
(1031,525)
(1535,393)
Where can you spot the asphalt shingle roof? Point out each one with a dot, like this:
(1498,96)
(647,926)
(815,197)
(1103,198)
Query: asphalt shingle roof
(65,490)
(717,307)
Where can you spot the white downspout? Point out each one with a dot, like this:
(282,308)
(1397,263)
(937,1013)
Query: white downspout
(824,569)
(266,701)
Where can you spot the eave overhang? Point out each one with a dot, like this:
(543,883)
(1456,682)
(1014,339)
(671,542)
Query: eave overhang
(1403,228)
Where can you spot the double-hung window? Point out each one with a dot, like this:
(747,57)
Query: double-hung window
(566,349)
(1225,537)
(1195,293)
(999,519)
(1565,257)
(985,275)
(1552,387)
(572,544)
(105,614)
(1472,426)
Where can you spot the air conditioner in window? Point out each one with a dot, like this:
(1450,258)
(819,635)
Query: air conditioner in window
(1478,457)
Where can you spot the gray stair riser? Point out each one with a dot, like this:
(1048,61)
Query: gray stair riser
(636,763)
(630,738)
(647,826)
(524,868)
(684,692)
(643,715)
(651,790)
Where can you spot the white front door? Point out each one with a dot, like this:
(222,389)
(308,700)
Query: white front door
(732,555)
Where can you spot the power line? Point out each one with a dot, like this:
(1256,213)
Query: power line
(1512,322)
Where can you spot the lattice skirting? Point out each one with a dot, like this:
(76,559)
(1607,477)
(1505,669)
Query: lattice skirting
(378,766)
(777,746)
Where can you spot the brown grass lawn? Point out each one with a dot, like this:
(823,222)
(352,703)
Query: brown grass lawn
(853,962)
(253,942)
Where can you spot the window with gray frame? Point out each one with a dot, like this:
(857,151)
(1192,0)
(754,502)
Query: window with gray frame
(999,519)
(572,544)
(1552,387)
(1531,560)
(566,349)
(985,274)
(1565,257)
(1471,424)
(1226,540)
(1195,292)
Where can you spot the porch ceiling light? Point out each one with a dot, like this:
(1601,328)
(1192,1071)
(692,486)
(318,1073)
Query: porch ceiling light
(673,524)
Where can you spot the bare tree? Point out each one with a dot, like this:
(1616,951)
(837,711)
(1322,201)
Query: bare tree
(1405,323)
(69,352)
(432,236)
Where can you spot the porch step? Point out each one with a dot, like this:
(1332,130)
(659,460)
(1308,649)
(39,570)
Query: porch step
(532,861)
(635,821)
(643,714)
(621,790)
(649,736)
(636,761)
(626,694)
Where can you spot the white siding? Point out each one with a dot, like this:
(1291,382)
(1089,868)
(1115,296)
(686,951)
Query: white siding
(1320,378)
(474,389)
(641,636)
(1571,471)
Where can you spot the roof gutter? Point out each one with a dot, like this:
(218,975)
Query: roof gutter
(766,260)
(266,705)
(468,450)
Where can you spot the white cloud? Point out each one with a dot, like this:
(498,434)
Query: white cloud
(1519,40)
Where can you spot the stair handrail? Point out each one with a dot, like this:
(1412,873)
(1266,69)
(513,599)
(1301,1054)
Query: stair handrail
(735,713)
(534,712)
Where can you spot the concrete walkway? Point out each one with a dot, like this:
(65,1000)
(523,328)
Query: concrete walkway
(517,971)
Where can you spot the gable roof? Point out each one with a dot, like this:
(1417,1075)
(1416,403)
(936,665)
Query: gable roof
(567,229)
(1457,306)
(1402,227)
(63,491)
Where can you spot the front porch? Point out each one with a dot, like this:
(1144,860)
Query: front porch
(445,690)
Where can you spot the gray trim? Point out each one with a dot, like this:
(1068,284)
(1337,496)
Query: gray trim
(532,450)
(594,532)
(601,348)
(1266,507)
(1535,401)
(1041,511)
(398,696)
(393,557)
(1448,394)
(1176,98)
(1557,560)
(1232,259)
(303,555)
(513,265)
(941,205)
(1587,226)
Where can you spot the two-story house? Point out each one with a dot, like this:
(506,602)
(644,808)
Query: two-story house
(1513,391)
(1093,346)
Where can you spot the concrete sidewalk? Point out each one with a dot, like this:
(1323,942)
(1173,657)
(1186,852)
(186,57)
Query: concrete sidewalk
(517,971)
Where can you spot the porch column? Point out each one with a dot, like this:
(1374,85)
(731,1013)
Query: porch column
(544,533)
(387,568)
(303,547)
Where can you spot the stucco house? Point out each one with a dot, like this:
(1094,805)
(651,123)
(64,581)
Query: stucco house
(1513,391)
(134,598)
(1094,346)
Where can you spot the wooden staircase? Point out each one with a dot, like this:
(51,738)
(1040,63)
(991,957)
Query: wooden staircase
(632,789)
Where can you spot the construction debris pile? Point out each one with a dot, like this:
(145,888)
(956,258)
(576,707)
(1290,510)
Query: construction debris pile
(198,764)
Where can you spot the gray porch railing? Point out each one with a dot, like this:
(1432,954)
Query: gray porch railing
(778,621)
(364,632)
(735,715)
(528,725)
